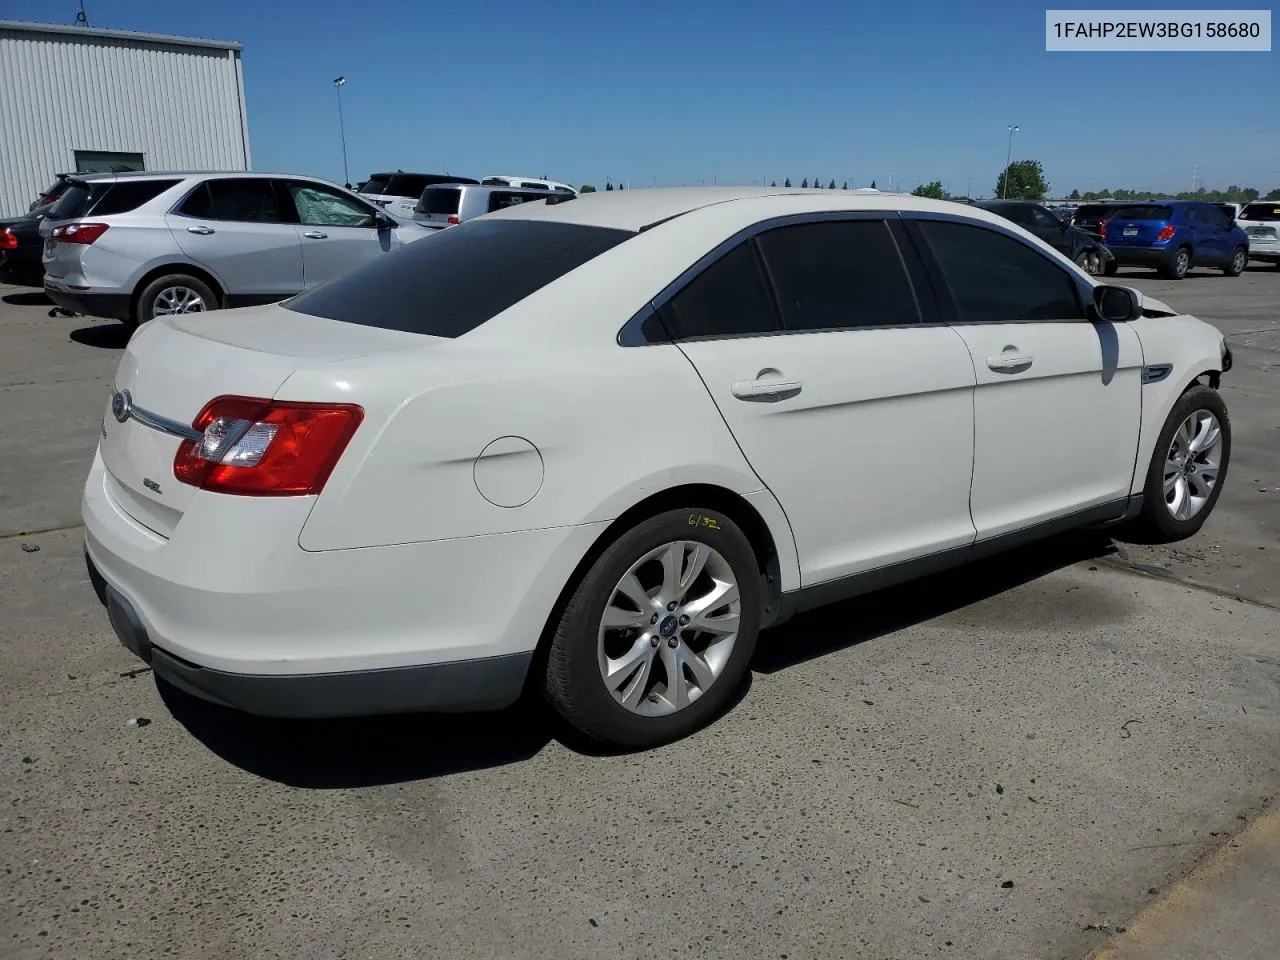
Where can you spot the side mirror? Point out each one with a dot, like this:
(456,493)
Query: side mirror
(1116,304)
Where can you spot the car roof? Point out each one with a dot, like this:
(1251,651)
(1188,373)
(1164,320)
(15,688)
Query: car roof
(408,173)
(207,174)
(642,208)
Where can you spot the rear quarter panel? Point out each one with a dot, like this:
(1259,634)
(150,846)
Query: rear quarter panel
(584,434)
(1193,348)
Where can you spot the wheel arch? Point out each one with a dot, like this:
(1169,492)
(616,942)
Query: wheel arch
(763,538)
(180,266)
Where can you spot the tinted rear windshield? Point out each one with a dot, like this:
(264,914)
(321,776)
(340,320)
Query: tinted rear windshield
(440,200)
(1092,210)
(106,198)
(446,285)
(374,185)
(1150,211)
(1261,211)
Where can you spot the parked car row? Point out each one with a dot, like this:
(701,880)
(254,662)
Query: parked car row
(401,192)
(1088,252)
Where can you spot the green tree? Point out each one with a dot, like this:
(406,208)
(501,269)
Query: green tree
(831,185)
(932,189)
(1273,195)
(586,188)
(846,185)
(787,182)
(1023,180)
(774,184)
(873,185)
(1074,195)
(608,185)
(622,186)
(804,184)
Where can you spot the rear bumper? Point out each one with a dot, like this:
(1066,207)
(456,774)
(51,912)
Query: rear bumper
(1141,256)
(231,609)
(483,684)
(1261,249)
(117,306)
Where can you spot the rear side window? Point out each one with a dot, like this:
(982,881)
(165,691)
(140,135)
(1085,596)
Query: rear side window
(729,298)
(454,282)
(246,201)
(374,185)
(126,195)
(994,278)
(499,199)
(1261,211)
(440,200)
(535,186)
(1146,211)
(836,275)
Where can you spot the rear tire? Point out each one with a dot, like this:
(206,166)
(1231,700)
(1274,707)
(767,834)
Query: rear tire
(1172,482)
(1090,261)
(171,294)
(1178,265)
(653,562)
(1239,260)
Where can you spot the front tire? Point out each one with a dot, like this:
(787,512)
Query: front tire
(1178,265)
(1188,467)
(1239,260)
(1090,261)
(172,294)
(659,632)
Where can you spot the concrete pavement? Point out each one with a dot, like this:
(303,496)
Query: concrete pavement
(999,762)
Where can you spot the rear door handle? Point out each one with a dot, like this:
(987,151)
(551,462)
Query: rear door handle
(203,231)
(316,235)
(1010,360)
(766,390)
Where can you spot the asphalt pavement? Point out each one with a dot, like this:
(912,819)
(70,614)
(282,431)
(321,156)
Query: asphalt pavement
(1017,759)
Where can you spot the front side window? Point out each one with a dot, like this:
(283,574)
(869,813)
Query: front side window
(1019,214)
(320,206)
(838,274)
(994,278)
(251,200)
(728,298)
(1044,219)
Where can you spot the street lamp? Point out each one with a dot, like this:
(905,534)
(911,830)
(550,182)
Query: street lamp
(1008,156)
(342,131)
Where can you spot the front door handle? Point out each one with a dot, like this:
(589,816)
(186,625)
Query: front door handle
(203,231)
(315,235)
(767,387)
(1010,360)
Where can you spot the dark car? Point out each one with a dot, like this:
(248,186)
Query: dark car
(1091,217)
(1175,235)
(1087,251)
(398,192)
(50,194)
(20,249)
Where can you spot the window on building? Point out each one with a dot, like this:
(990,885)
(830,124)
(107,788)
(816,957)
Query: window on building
(107,161)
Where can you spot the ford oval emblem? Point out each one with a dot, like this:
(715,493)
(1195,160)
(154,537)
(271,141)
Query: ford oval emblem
(121,405)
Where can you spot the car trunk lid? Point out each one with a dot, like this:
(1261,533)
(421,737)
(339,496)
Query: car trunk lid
(174,366)
(1139,226)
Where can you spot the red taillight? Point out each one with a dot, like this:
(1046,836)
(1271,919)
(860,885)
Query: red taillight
(266,447)
(1167,233)
(79,232)
(7,240)
(453,221)
(1102,227)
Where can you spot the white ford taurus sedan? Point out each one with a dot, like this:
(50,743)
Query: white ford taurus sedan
(593,448)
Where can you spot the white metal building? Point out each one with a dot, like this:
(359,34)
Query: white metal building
(76,99)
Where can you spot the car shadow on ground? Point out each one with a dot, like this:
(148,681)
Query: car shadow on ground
(106,336)
(326,754)
(32,298)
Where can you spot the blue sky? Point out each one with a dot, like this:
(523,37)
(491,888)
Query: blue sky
(672,92)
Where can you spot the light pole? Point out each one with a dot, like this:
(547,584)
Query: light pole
(1008,156)
(342,131)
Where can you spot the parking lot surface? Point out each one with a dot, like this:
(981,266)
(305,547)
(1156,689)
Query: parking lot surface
(1014,759)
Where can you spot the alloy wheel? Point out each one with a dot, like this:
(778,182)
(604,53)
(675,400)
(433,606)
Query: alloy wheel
(1238,262)
(669,627)
(1192,465)
(177,299)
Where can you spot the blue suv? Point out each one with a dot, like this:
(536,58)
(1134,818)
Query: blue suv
(1173,236)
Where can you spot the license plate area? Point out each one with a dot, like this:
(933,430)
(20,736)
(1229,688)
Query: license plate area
(1130,231)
